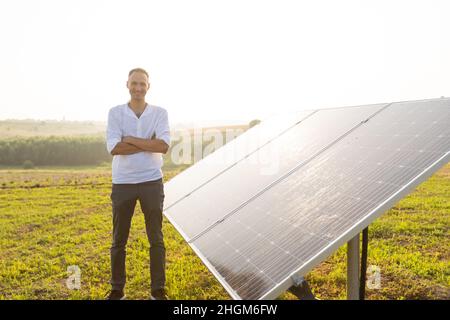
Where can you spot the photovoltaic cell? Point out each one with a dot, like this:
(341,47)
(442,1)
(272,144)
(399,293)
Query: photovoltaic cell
(229,154)
(200,210)
(314,206)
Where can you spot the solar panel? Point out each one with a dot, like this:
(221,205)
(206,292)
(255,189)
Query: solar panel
(298,220)
(228,155)
(199,210)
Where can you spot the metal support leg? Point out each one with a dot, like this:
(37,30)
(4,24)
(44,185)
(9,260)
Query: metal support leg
(353,269)
(301,289)
(362,276)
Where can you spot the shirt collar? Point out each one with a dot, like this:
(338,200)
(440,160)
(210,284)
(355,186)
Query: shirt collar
(130,111)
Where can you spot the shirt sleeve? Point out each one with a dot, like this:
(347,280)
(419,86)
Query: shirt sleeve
(113,131)
(162,128)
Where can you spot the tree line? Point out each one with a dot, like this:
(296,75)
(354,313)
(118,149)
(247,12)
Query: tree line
(91,150)
(54,150)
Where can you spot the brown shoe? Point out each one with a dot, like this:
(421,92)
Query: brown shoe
(116,295)
(159,294)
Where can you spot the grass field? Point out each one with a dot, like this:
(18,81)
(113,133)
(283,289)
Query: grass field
(51,218)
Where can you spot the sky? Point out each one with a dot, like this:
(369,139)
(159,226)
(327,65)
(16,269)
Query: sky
(219,61)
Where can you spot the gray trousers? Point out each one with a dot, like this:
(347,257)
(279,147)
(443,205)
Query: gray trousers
(151,198)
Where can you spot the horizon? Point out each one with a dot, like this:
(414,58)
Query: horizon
(205,124)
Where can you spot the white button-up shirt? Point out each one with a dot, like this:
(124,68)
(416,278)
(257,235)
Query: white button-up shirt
(142,166)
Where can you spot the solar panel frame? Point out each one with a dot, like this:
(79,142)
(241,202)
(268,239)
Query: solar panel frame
(334,152)
(336,243)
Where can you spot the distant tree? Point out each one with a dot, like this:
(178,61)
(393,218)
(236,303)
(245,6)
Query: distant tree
(28,164)
(254,123)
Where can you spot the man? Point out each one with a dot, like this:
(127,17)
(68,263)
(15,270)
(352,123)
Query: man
(137,135)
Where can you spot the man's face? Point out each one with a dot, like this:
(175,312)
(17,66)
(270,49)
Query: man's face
(138,85)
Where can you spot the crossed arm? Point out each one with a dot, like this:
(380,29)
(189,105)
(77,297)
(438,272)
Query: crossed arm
(131,145)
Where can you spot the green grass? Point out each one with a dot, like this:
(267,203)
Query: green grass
(51,218)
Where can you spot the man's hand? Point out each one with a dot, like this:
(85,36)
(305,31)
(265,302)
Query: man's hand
(123,148)
(150,145)
(127,139)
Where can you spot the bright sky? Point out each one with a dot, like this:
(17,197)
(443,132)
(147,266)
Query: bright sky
(229,61)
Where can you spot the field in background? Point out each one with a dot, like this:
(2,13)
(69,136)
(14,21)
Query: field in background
(45,128)
(52,218)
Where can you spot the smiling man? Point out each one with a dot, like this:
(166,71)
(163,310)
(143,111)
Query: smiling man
(137,134)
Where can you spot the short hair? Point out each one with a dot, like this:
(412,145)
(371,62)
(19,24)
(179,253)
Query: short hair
(138,70)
